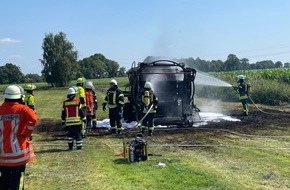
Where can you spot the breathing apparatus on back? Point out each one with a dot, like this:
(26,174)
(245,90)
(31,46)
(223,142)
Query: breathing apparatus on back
(147,94)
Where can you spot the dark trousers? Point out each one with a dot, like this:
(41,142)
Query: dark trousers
(10,177)
(74,131)
(115,116)
(148,121)
(91,119)
(94,118)
(89,122)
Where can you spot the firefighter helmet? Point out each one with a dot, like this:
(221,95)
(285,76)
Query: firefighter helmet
(13,92)
(89,85)
(81,80)
(71,91)
(30,87)
(148,85)
(113,82)
(241,77)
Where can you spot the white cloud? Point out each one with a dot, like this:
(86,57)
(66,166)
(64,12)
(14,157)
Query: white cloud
(8,41)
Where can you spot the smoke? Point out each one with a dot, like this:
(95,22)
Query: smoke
(210,105)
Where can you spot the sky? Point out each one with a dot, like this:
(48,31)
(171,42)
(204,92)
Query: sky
(130,30)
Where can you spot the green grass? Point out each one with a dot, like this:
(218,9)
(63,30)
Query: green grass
(229,162)
(239,165)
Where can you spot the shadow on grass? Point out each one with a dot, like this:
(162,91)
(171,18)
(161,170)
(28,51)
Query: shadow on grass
(121,161)
(50,151)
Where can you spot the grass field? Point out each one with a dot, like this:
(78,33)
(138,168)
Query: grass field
(217,160)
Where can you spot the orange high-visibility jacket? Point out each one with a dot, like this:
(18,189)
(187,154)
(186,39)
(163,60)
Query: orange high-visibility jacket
(89,102)
(72,114)
(17,122)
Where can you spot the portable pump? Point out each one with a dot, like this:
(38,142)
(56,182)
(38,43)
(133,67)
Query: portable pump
(136,150)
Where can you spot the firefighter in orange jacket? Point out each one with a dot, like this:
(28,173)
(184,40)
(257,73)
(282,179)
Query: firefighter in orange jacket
(17,122)
(91,106)
(73,117)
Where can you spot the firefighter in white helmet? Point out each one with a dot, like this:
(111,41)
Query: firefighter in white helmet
(17,124)
(115,102)
(73,118)
(244,90)
(148,99)
(91,105)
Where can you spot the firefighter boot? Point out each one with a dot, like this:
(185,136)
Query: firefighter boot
(70,146)
(113,131)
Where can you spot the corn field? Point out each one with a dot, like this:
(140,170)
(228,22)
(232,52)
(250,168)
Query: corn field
(269,86)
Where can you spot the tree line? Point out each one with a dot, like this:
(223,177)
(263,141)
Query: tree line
(232,63)
(61,65)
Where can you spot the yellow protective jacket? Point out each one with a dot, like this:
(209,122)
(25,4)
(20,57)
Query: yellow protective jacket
(81,95)
(29,100)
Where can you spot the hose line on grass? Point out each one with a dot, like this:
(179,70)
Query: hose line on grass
(270,113)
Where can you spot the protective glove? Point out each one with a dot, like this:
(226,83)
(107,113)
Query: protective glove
(84,120)
(235,87)
(155,107)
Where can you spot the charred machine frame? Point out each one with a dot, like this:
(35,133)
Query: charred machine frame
(174,86)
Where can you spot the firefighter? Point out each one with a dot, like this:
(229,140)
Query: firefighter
(73,117)
(115,102)
(29,96)
(82,97)
(91,105)
(17,124)
(148,98)
(244,90)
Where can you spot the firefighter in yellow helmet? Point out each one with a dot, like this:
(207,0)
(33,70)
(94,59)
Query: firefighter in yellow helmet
(115,102)
(244,90)
(80,94)
(148,98)
(29,96)
(81,91)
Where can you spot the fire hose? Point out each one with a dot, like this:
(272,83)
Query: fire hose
(140,121)
(269,113)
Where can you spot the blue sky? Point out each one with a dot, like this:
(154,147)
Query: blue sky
(130,30)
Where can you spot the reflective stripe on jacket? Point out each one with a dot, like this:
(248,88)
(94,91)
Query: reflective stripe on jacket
(17,122)
(71,112)
(114,98)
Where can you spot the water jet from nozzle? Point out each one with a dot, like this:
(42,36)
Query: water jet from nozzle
(207,80)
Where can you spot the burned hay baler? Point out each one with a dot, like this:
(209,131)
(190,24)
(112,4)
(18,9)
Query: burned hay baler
(172,83)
